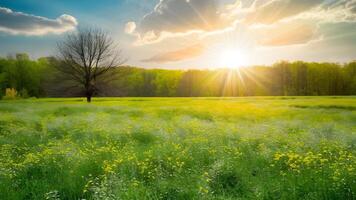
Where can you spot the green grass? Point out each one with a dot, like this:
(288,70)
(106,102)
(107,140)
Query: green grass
(179,148)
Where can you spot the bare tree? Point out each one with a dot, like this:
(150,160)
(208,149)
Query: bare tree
(88,59)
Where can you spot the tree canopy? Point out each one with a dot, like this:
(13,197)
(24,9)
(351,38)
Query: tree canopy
(39,78)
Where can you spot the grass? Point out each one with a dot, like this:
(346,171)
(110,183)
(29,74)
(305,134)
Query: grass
(178,148)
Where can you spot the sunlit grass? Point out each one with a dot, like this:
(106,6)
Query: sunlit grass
(178,148)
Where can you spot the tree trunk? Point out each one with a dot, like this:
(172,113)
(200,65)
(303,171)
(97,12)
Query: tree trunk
(88,99)
(88,93)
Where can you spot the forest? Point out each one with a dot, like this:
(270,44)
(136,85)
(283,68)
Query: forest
(22,77)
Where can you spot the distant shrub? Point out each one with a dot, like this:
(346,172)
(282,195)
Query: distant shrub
(10,94)
(24,93)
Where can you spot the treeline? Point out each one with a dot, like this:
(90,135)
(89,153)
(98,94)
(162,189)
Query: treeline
(26,76)
(39,78)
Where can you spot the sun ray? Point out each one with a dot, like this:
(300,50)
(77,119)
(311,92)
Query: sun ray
(233,58)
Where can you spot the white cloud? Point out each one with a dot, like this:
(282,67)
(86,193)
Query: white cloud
(277,10)
(177,55)
(25,24)
(182,16)
(290,32)
(130,27)
(268,23)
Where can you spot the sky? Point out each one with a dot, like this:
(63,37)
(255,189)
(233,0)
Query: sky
(184,34)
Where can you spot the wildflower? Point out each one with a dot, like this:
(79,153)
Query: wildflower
(277,156)
(203,190)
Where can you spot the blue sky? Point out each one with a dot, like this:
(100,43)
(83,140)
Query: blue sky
(110,15)
(87,11)
(189,34)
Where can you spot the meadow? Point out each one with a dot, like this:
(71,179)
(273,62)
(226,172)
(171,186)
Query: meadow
(178,148)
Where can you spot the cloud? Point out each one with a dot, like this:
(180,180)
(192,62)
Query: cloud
(352,7)
(294,22)
(287,33)
(181,16)
(332,11)
(349,9)
(178,55)
(332,4)
(21,23)
(277,10)
(262,23)
(130,27)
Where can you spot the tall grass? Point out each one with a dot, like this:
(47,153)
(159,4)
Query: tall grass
(178,148)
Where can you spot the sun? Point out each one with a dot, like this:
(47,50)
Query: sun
(233,58)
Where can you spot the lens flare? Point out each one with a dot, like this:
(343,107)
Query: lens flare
(233,58)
